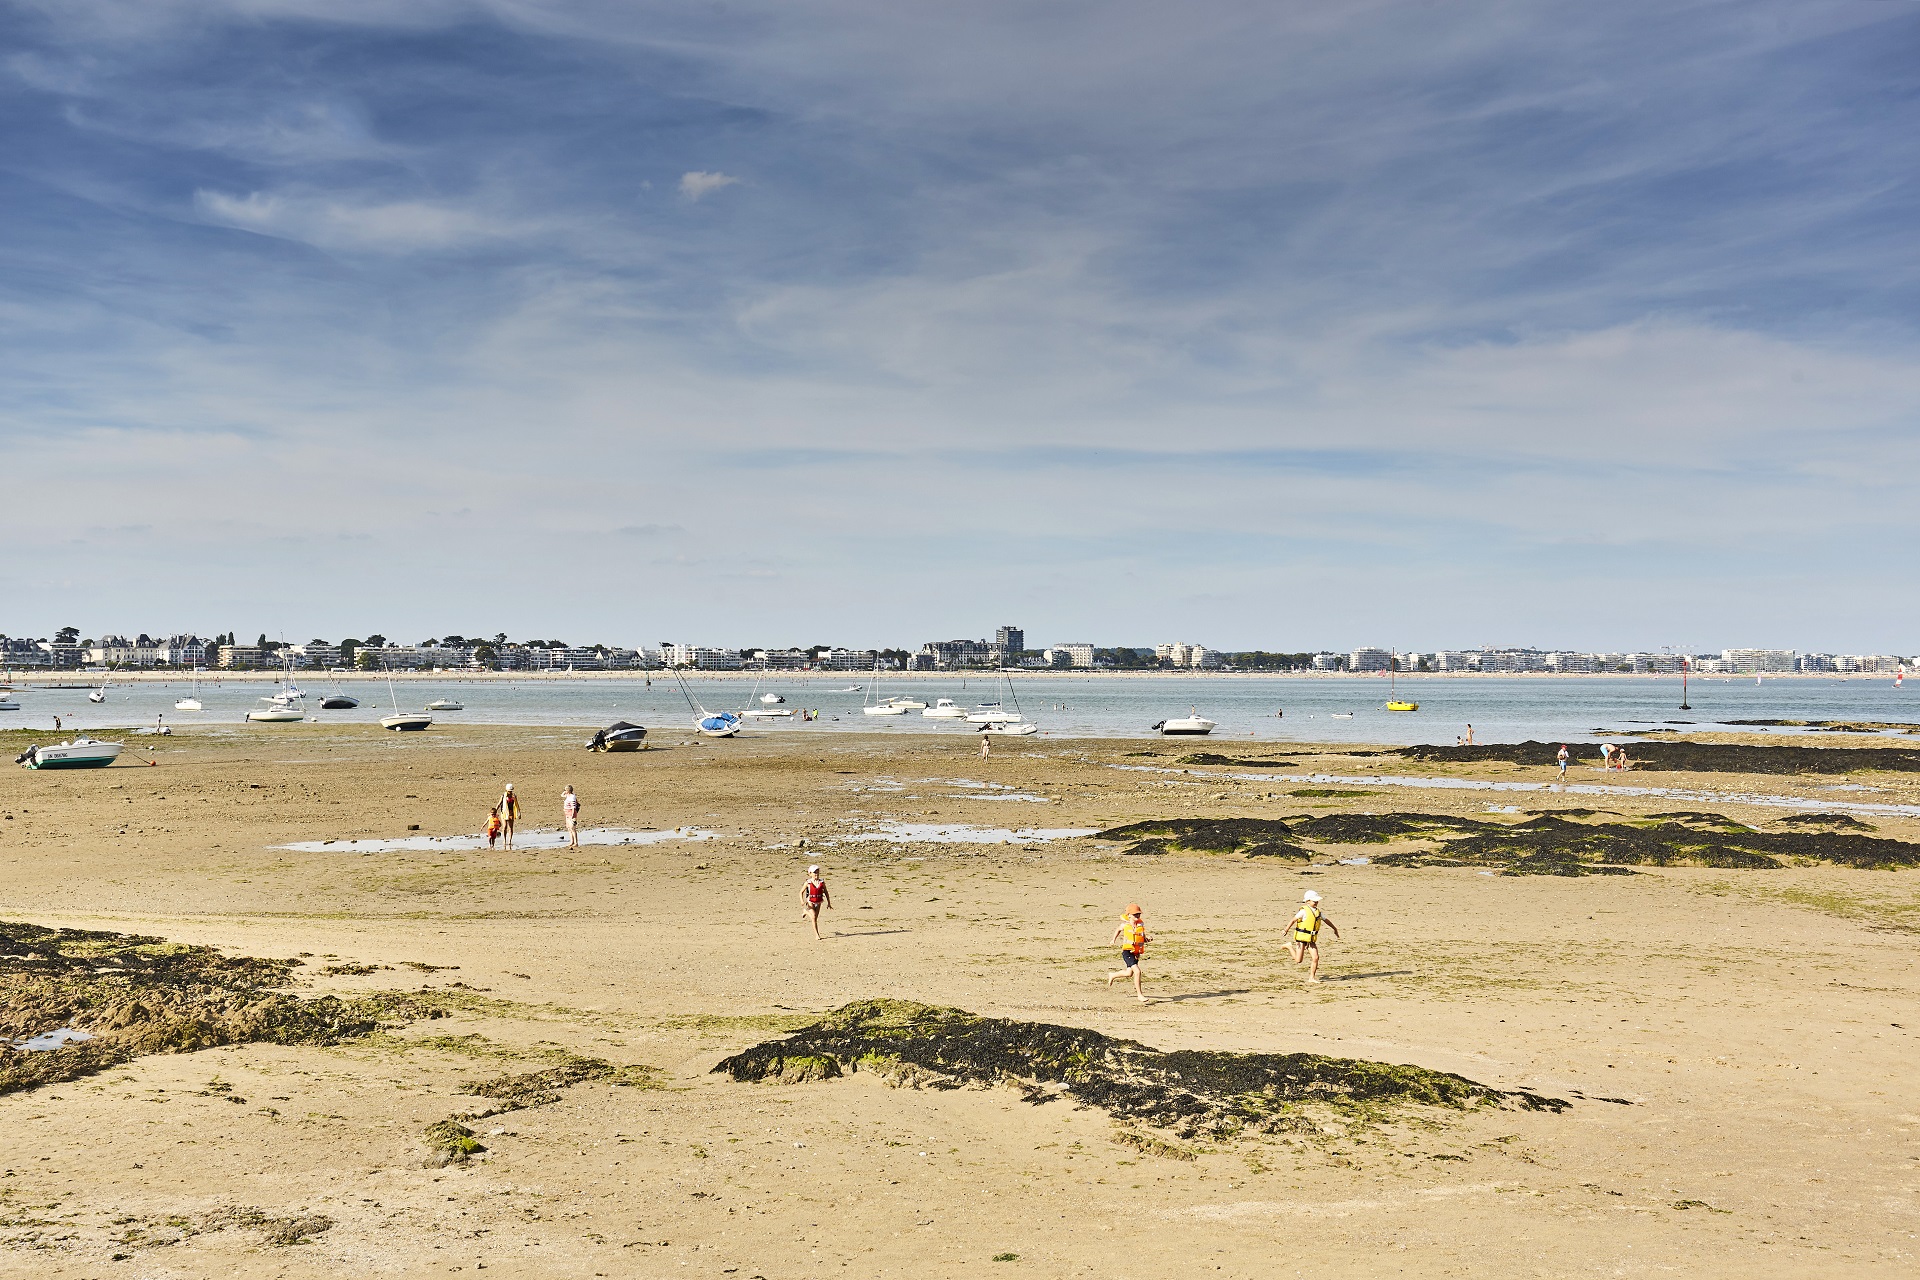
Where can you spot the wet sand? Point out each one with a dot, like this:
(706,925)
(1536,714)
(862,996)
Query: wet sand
(1757,1024)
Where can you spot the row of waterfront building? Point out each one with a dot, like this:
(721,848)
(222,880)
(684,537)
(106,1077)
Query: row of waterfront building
(1728,661)
(66,651)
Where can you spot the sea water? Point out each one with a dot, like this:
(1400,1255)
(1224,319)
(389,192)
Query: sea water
(1276,709)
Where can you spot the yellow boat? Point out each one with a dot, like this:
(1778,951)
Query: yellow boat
(1393,701)
(1403,706)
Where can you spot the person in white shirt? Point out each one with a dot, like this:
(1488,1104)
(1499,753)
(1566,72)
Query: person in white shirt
(570,812)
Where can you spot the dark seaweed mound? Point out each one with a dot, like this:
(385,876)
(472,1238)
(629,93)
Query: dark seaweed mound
(1689,757)
(1250,837)
(1209,757)
(141,995)
(1193,1092)
(1840,820)
(1544,844)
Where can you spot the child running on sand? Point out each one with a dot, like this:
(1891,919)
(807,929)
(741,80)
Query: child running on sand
(815,896)
(493,826)
(1306,932)
(1133,940)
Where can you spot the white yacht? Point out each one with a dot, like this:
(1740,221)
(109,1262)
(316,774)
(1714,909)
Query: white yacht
(945,709)
(278,712)
(876,705)
(82,753)
(445,704)
(192,701)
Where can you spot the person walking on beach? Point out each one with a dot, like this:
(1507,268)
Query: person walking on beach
(509,814)
(814,895)
(570,814)
(1305,942)
(1563,760)
(1133,940)
(986,745)
(1469,735)
(493,826)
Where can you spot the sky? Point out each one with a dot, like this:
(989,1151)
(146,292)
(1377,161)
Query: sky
(1254,323)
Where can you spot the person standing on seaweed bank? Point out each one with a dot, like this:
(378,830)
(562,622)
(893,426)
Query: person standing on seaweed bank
(1133,940)
(1305,940)
(570,814)
(814,895)
(1563,759)
(493,826)
(1469,735)
(509,814)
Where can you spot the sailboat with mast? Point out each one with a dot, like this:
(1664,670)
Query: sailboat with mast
(713,724)
(1394,701)
(876,705)
(995,719)
(403,721)
(192,701)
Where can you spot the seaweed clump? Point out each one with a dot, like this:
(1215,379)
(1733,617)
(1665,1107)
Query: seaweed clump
(1249,837)
(1546,843)
(1215,758)
(138,995)
(1191,1092)
(1688,757)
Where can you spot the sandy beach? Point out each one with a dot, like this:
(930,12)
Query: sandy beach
(1735,1044)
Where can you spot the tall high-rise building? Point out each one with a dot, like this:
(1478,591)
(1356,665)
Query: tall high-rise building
(1010,643)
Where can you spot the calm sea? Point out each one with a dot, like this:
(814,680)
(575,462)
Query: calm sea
(1265,708)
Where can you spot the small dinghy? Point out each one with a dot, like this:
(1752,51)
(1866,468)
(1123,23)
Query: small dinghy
(82,753)
(1011,729)
(764,713)
(771,699)
(445,704)
(618,736)
(721,724)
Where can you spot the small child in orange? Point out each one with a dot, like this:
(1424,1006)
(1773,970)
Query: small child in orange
(1133,940)
(493,826)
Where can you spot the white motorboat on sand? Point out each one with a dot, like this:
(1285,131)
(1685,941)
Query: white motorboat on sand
(945,709)
(82,753)
(1193,724)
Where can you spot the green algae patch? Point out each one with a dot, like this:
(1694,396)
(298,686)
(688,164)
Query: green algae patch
(518,1091)
(449,1142)
(137,995)
(1193,1093)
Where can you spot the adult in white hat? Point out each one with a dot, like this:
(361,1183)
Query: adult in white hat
(509,814)
(1304,936)
(814,895)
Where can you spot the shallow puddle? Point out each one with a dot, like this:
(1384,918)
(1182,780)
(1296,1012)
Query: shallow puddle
(522,840)
(960,833)
(50,1040)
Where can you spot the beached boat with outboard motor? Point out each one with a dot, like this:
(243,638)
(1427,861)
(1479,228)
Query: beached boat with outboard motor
(1192,725)
(621,735)
(82,753)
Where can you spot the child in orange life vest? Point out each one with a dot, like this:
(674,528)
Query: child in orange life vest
(493,826)
(1304,931)
(1133,940)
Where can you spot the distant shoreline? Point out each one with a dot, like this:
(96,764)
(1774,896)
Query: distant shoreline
(42,679)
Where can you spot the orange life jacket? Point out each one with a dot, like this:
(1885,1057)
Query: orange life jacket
(1134,936)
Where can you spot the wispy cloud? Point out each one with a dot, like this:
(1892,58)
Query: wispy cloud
(697,183)
(1303,319)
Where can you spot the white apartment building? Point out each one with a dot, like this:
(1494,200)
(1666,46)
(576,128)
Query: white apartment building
(319,657)
(1570,663)
(1079,655)
(1748,662)
(782,659)
(845,659)
(1329,662)
(1369,660)
(1454,660)
(702,658)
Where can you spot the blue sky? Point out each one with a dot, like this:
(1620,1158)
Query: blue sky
(1257,324)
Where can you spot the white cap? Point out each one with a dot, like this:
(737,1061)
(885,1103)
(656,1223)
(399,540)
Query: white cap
(812,869)
(1309,896)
